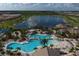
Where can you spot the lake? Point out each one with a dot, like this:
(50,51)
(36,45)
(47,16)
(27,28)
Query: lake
(44,21)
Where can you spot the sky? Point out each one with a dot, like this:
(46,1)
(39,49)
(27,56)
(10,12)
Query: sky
(40,6)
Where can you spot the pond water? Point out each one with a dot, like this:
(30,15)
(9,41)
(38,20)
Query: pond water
(45,21)
(3,30)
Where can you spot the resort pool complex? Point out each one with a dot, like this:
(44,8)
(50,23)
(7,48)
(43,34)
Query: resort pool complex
(31,45)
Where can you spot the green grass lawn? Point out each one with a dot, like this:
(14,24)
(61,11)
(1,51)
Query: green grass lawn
(73,20)
(9,23)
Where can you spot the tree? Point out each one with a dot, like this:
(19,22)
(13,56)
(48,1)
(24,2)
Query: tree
(8,52)
(1,45)
(18,49)
(18,53)
(35,48)
(2,52)
(73,49)
(16,38)
(12,54)
(51,45)
(3,39)
(44,46)
(44,42)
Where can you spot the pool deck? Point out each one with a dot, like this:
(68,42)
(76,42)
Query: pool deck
(41,52)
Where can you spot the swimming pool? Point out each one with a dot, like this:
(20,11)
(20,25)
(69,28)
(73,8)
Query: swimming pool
(31,45)
(39,36)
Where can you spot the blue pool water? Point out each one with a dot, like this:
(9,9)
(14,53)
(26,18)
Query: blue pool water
(29,47)
(39,36)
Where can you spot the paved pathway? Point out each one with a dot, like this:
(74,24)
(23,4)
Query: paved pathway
(53,52)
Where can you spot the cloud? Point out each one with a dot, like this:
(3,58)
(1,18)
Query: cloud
(40,6)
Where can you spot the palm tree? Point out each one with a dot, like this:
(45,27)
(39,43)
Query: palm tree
(18,53)
(51,45)
(18,49)
(9,35)
(16,38)
(44,46)
(71,50)
(8,52)
(2,52)
(44,42)
(12,54)
(1,49)
(3,39)
(35,48)
(1,45)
